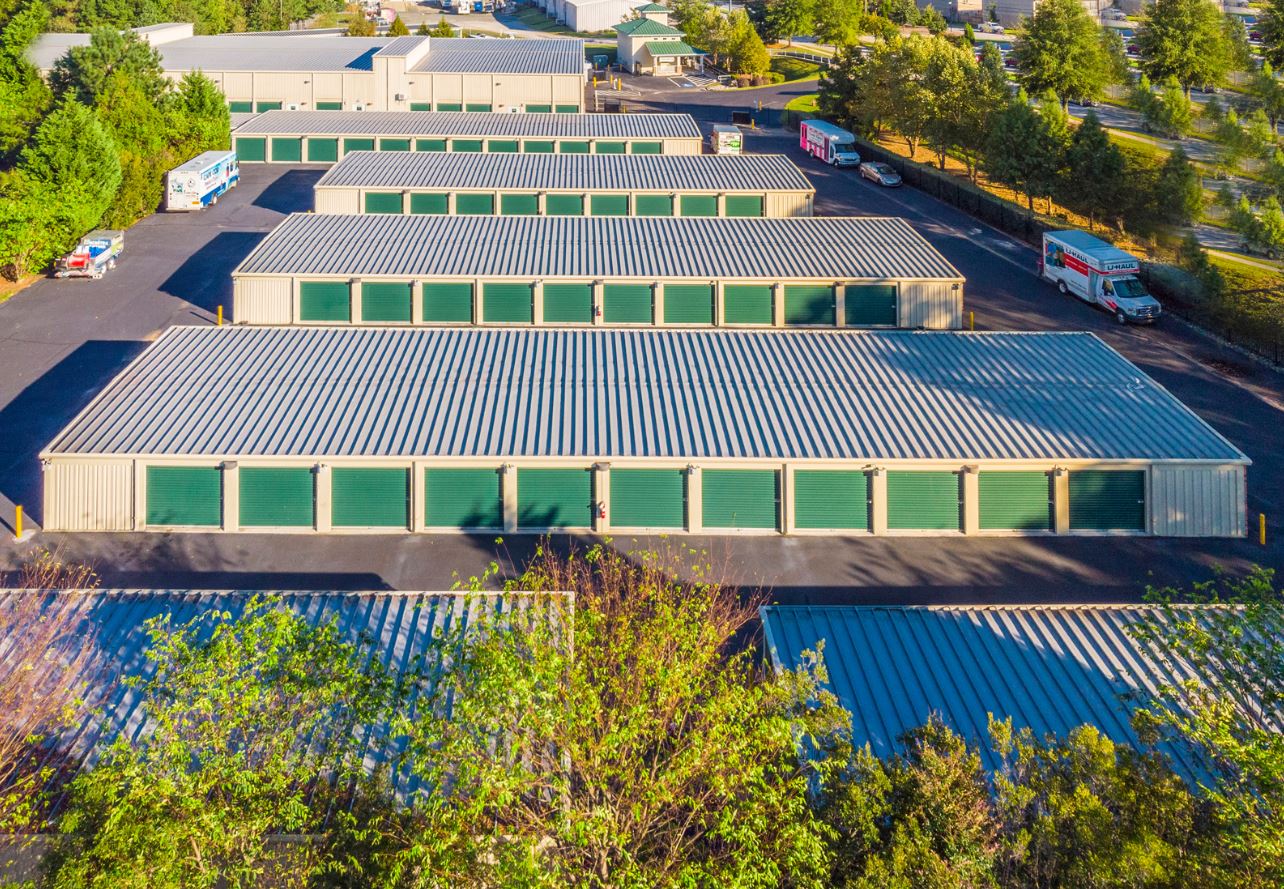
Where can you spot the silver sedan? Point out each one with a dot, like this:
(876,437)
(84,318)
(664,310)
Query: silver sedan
(883,174)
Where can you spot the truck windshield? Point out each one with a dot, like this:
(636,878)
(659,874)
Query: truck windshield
(844,149)
(1129,288)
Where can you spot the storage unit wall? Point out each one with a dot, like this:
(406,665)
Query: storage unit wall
(743,185)
(283,430)
(326,137)
(862,272)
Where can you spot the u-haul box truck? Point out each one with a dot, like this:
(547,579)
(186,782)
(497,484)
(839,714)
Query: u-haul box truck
(1098,273)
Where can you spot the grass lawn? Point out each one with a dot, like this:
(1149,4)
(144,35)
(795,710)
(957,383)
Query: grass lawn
(803,104)
(795,69)
(534,18)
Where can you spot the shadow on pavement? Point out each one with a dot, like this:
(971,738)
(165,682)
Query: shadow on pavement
(290,192)
(203,278)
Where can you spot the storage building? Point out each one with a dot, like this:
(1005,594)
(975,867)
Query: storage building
(1050,668)
(421,269)
(325,137)
(258,72)
(564,185)
(803,432)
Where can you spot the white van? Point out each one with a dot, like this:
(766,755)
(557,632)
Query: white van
(1098,273)
(829,143)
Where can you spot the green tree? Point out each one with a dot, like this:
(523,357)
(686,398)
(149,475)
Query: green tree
(199,119)
(84,71)
(949,83)
(789,18)
(839,21)
(1061,49)
(259,725)
(398,28)
(969,35)
(745,50)
(1229,706)
(841,95)
(360,26)
(1095,181)
(1267,89)
(1259,136)
(1180,190)
(931,18)
(24,98)
(1187,40)
(899,12)
(1169,112)
(423,30)
(442,28)
(1022,152)
(658,754)
(1270,23)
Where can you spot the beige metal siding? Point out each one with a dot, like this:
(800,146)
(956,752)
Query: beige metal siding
(568,89)
(787,203)
(681,146)
(261,300)
(236,84)
(447,88)
(931,305)
(327,86)
(477,88)
(89,495)
(519,91)
(338,200)
(1198,501)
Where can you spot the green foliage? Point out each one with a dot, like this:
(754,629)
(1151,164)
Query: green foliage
(1267,89)
(656,755)
(1095,180)
(788,18)
(744,49)
(24,97)
(1168,112)
(1270,22)
(207,16)
(1259,136)
(838,21)
(969,35)
(398,28)
(1022,151)
(1061,49)
(1180,190)
(259,725)
(841,95)
(931,18)
(1188,40)
(442,28)
(423,30)
(85,71)
(899,12)
(360,26)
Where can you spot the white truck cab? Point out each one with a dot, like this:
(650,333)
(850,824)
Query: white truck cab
(829,143)
(1098,273)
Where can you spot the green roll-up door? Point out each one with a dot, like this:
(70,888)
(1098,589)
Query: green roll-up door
(554,498)
(747,304)
(646,147)
(688,304)
(698,204)
(809,304)
(463,498)
(563,205)
(503,146)
(743,205)
(648,498)
(448,302)
(428,204)
(287,150)
(251,149)
(473,146)
(538,108)
(450,106)
(477,106)
(653,205)
(240,107)
(538,146)
(382,202)
(1107,500)
(394,144)
(519,205)
(385,301)
(833,499)
(276,498)
(568,303)
(430,145)
(322,151)
(267,106)
(740,498)
(474,204)
(1014,501)
(608,205)
(421,106)
(627,304)
(357,143)
(369,497)
(338,106)
(927,501)
(610,147)
(870,305)
(325,301)
(506,303)
(572,146)
(567,109)
(185,496)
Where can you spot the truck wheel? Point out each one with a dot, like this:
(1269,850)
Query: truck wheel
(111,265)
(1061,285)
(1121,317)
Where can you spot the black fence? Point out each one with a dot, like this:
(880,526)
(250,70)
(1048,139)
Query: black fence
(1248,319)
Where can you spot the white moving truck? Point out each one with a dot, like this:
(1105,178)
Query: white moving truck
(1099,273)
(832,144)
(725,138)
(199,182)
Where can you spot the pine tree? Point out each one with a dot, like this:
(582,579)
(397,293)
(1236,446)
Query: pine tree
(1021,152)
(1094,182)
(398,28)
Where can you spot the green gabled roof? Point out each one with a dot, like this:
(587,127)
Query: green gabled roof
(673,48)
(647,28)
(651,7)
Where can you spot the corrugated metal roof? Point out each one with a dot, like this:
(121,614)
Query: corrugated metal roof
(353,391)
(403,46)
(471,123)
(400,624)
(252,52)
(672,48)
(548,172)
(1049,667)
(829,247)
(644,27)
(459,55)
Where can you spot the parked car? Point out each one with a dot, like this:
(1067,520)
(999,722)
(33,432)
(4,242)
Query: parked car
(991,28)
(1115,14)
(881,173)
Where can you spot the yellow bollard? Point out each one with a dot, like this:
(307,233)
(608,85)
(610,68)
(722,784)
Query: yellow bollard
(971,320)
(1261,527)
(17,524)
(220,316)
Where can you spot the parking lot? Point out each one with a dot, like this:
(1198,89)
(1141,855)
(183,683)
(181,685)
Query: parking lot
(64,339)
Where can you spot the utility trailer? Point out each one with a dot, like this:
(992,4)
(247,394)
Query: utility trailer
(93,256)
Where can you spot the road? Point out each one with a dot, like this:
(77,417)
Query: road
(63,340)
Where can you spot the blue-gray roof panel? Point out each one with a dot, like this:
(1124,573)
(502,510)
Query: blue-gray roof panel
(536,125)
